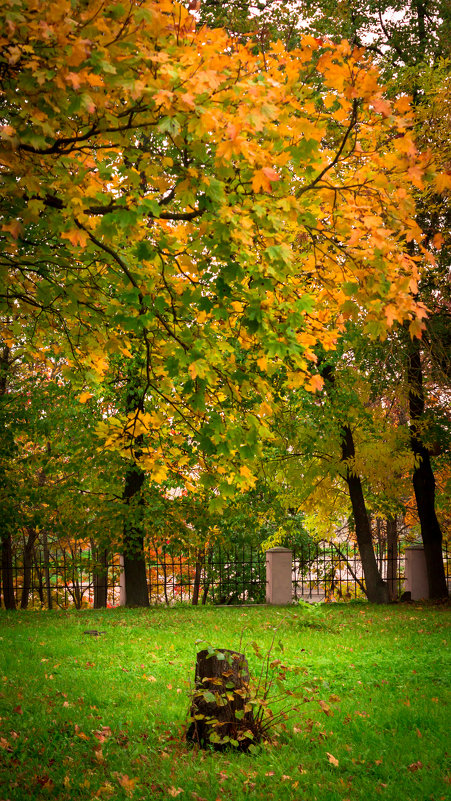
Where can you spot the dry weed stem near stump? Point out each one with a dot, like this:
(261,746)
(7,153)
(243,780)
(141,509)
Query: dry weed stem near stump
(221,714)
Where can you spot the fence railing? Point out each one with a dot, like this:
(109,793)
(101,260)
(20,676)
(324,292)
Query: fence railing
(78,577)
(333,570)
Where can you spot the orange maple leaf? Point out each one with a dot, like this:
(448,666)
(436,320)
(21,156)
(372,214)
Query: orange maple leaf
(76,237)
(125,782)
(333,760)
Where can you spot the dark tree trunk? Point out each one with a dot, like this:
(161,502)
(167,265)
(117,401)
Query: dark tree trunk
(423,479)
(27,565)
(375,587)
(5,532)
(136,593)
(392,557)
(100,576)
(136,590)
(200,559)
(219,716)
(37,567)
(9,598)
(45,547)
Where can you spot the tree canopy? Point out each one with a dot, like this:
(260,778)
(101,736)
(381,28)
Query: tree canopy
(187,221)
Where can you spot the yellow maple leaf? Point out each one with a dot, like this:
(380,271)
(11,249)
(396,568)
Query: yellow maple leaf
(443,181)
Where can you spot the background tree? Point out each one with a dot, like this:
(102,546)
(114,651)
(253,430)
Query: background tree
(181,198)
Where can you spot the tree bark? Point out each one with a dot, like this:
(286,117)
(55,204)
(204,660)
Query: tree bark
(423,479)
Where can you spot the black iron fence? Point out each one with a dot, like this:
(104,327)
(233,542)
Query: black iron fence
(333,571)
(81,577)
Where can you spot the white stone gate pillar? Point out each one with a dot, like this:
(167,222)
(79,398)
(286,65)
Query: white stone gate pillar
(279,576)
(416,573)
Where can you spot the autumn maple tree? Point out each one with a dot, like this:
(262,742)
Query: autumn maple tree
(205,212)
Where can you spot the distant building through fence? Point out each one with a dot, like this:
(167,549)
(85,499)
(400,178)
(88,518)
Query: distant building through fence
(62,578)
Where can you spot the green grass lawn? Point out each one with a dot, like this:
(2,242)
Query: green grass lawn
(85,718)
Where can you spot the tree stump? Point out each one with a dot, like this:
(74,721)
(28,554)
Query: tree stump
(221,715)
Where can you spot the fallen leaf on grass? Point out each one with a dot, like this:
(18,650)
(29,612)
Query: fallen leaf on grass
(175,791)
(325,707)
(102,734)
(105,790)
(18,710)
(125,782)
(98,753)
(5,744)
(45,782)
(80,733)
(333,760)
(415,766)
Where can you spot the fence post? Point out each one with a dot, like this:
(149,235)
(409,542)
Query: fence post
(279,576)
(416,573)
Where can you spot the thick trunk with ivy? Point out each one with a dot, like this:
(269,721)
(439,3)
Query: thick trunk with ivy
(423,479)
(220,712)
